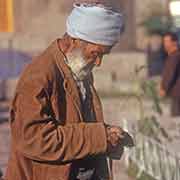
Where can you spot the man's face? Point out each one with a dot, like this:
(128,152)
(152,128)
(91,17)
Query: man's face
(83,60)
(94,53)
(169,44)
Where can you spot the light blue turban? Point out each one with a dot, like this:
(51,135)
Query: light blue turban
(95,24)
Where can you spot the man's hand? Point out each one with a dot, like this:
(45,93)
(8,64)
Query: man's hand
(114,135)
(117,139)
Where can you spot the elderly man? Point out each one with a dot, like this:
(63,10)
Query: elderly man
(170,85)
(57,126)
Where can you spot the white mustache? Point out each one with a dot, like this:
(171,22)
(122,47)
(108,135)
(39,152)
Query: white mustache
(84,72)
(79,65)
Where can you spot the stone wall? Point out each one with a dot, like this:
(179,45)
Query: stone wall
(117,72)
(116,75)
(37,23)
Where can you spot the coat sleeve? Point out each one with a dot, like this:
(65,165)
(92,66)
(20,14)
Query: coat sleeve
(39,137)
(170,73)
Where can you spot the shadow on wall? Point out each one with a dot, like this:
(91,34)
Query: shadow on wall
(12,63)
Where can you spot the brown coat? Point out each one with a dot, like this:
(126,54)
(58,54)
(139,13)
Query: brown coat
(49,135)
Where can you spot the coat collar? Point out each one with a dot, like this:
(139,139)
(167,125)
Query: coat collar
(71,86)
(69,83)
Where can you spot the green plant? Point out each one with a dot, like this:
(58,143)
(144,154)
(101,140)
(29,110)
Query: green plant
(157,24)
(157,21)
(148,125)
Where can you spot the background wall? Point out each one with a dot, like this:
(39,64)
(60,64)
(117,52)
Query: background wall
(45,20)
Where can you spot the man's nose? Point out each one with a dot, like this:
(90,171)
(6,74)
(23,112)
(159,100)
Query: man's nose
(98,61)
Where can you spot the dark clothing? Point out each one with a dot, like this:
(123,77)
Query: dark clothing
(171,75)
(175,107)
(155,61)
(51,139)
(171,81)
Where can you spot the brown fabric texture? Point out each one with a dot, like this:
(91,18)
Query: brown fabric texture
(48,132)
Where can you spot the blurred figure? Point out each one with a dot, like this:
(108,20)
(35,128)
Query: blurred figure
(57,125)
(170,85)
(155,56)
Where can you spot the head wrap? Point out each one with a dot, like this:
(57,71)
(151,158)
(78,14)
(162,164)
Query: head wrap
(94,23)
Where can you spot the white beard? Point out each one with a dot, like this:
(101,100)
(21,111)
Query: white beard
(79,66)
